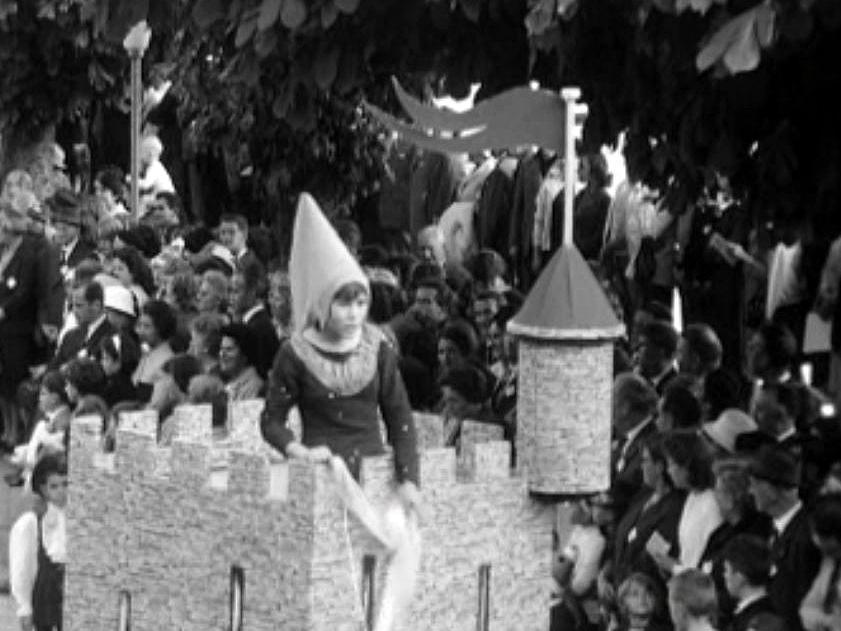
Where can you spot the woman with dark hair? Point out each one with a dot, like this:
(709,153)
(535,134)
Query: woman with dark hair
(338,369)
(38,549)
(119,356)
(237,354)
(690,469)
(656,508)
(155,327)
(458,345)
(130,268)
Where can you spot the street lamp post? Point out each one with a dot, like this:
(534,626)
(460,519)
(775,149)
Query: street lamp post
(136,43)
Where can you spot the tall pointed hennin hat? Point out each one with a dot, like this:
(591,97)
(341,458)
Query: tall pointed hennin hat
(319,265)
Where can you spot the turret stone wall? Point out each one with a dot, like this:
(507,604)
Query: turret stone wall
(164,527)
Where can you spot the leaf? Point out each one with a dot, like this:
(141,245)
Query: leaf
(329,13)
(206,12)
(265,43)
(246,29)
(540,17)
(325,68)
(293,14)
(269,12)
(471,9)
(347,6)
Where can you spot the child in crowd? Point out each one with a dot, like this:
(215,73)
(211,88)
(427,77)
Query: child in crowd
(38,550)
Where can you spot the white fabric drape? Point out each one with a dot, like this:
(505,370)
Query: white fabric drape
(397,531)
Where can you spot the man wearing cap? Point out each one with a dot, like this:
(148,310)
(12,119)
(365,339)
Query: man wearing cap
(66,217)
(774,478)
(30,292)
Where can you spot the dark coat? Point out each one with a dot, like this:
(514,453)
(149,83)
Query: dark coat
(752,523)
(75,344)
(346,423)
(627,481)
(82,251)
(29,289)
(265,337)
(118,389)
(742,620)
(635,529)
(796,563)
(492,211)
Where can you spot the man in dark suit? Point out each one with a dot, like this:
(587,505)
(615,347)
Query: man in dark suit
(655,354)
(65,212)
(29,289)
(774,478)
(247,289)
(93,325)
(747,569)
(634,404)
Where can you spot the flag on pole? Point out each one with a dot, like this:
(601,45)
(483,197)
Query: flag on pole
(520,116)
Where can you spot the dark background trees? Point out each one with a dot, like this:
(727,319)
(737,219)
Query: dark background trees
(271,89)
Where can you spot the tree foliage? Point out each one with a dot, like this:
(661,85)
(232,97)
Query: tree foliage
(774,129)
(275,86)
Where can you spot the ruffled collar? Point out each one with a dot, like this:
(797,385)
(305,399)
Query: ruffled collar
(346,373)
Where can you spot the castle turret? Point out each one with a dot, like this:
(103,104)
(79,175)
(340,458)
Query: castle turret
(566,330)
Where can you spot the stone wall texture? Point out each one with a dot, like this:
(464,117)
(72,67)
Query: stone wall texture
(564,415)
(167,525)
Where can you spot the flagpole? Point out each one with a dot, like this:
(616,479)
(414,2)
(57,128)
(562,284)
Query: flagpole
(570,97)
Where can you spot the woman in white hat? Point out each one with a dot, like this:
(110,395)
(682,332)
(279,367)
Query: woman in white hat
(338,369)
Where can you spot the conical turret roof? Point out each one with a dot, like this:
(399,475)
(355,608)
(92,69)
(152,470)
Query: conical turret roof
(567,302)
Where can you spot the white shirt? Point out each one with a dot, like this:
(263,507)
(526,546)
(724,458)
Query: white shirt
(700,517)
(246,317)
(23,552)
(751,598)
(156,180)
(782,522)
(94,326)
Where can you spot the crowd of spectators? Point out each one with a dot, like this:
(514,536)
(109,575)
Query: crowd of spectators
(724,510)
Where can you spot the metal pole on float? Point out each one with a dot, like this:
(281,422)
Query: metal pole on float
(570,97)
(136,43)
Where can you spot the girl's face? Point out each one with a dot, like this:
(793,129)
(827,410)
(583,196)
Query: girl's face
(48,401)
(231,359)
(147,332)
(678,474)
(638,601)
(120,271)
(448,354)
(54,489)
(347,317)
(206,299)
(110,365)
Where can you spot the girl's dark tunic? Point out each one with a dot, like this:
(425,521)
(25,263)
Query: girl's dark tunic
(340,398)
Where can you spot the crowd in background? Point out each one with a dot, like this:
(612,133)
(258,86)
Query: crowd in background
(724,510)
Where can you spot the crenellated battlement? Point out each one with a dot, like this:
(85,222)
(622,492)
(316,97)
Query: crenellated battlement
(167,524)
